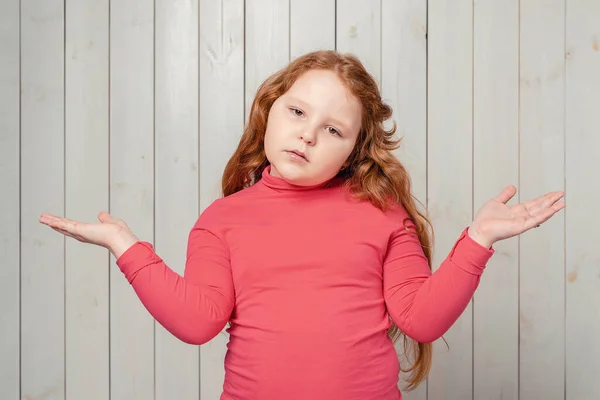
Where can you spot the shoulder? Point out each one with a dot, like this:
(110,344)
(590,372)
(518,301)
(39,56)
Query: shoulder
(394,214)
(225,208)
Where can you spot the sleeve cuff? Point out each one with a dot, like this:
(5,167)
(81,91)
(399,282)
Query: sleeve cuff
(137,257)
(469,255)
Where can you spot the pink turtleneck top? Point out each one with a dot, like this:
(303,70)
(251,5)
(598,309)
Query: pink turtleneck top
(308,278)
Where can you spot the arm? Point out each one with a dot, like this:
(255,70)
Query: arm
(425,305)
(195,307)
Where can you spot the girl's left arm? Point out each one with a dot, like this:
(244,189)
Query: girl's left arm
(424,305)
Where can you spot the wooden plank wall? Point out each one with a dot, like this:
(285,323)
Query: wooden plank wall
(135,106)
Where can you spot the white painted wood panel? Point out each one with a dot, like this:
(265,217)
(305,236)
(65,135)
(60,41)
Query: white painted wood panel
(9,199)
(449,171)
(42,190)
(267,43)
(177,373)
(495,166)
(542,162)
(132,361)
(404,88)
(86,194)
(312,26)
(359,32)
(221,123)
(137,106)
(582,196)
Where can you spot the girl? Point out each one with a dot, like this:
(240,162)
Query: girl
(316,255)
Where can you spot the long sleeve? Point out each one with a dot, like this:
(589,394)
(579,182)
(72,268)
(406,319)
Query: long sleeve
(195,307)
(425,305)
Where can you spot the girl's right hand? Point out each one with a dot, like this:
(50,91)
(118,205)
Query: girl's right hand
(111,233)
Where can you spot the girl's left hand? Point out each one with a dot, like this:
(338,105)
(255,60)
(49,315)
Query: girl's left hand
(496,220)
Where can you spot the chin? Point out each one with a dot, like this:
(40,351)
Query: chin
(302,176)
(296,175)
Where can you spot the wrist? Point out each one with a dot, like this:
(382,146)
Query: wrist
(476,235)
(121,244)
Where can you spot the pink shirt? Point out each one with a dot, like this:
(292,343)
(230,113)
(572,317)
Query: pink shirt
(308,278)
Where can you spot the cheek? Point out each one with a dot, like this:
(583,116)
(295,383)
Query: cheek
(278,129)
(272,137)
(336,154)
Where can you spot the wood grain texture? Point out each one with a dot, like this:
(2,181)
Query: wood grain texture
(221,123)
(582,195)
(86,194)
(312,26)
(495,166)
(404,88)
(132,191)
(359,32)
(267,43)
(541,169)
(137,106)
(177,373)
(450,173)
(42,190)
(10,199)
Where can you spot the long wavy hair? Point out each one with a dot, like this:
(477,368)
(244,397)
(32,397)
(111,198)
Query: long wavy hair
(373,173)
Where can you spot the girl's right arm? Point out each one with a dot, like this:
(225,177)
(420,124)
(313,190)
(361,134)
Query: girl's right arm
(195,307)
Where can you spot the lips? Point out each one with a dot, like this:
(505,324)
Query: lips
(298,153)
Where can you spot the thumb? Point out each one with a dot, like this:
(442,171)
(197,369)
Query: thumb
(104,216)
(506,194)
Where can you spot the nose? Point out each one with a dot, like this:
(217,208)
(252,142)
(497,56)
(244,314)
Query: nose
(308,136)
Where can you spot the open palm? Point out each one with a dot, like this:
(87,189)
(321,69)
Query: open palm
(110,232)
(497,220)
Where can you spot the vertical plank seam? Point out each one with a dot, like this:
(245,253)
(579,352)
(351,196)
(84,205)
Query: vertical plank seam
(519,197)
(519,200)
(472,185)
(154,173)
(244,88)
(381,44)
(108,201)
(565,21)
(198,164)
(335,23)
(20,162)
(289,30)
(427,134)
(64,173)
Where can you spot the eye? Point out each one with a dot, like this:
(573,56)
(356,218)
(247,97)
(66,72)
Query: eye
(333,131)
(296,112)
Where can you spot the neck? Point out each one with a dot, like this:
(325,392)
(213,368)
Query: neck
(278,183)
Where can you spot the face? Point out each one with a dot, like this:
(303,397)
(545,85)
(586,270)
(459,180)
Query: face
(312,129)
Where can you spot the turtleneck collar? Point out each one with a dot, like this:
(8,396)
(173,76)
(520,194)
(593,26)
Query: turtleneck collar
(281,184)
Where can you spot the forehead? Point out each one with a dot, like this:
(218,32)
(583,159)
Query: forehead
(323,89)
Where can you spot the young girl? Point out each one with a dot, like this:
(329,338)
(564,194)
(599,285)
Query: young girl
(316,255)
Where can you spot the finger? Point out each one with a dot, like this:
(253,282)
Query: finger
(65,224)
(53,219)
(45,217)
(550,203)
(104,216)
(506,194)
(66,233)
(543,201)
(543,215)
(532,207)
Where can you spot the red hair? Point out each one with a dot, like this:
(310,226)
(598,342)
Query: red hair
(373,173)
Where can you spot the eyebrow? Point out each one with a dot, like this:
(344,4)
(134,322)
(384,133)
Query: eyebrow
(335,121)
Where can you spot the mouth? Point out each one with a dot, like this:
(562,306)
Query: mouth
(298,153)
